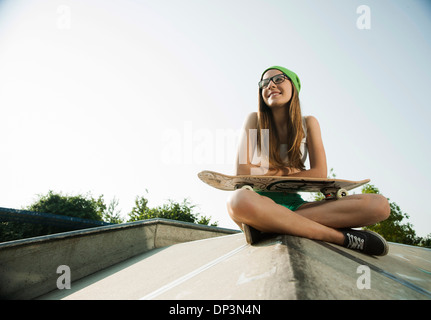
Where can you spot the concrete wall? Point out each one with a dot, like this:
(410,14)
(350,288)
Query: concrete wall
(28,267)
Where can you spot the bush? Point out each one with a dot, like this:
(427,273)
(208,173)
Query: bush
(172,210)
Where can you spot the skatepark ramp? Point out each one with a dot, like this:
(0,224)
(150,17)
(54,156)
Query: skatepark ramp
(165,259)
(28,267)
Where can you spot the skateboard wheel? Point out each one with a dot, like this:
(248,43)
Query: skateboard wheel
(247,187)
(342,193)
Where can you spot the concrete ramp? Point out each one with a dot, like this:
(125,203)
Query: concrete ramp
(227,268)
(32,267)
(163,259)
(282,267)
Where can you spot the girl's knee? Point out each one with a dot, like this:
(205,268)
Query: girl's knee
(379,206)
(383,208)
(240,204)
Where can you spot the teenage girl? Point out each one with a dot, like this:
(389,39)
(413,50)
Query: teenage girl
(291,138)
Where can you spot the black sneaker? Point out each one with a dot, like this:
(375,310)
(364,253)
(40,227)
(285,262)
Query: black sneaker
(365,241)
(251,234)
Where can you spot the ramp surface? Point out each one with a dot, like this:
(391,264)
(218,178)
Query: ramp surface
(283,267)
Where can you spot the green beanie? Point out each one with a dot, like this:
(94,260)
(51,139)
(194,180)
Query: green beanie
(292,76)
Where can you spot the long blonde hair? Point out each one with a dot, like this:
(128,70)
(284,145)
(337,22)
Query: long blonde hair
(295,132)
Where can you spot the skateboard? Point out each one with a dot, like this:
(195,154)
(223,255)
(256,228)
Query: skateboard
(331,188)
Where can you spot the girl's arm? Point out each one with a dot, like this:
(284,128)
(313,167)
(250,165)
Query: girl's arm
(316,152)
(243,162)
(245,149)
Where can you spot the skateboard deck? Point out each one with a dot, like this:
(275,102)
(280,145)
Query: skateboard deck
(331,188)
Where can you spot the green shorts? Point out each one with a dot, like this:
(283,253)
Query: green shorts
(291,201)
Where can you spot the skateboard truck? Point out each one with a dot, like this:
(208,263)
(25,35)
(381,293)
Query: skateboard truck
(330,193)
(244,186)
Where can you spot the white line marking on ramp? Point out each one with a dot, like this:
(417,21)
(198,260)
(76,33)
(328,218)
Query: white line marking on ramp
(190,275)
(244,279)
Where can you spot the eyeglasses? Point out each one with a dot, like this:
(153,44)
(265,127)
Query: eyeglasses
(279,78)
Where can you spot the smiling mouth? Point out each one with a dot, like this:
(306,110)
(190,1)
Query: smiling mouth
(273,94)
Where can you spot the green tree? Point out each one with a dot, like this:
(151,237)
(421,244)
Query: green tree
(141,210)
(110,213)
(426,242)
(80,206)
(172,210)
(393,229)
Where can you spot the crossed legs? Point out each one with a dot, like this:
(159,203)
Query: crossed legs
(315,220)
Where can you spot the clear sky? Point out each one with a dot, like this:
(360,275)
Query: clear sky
(116,97)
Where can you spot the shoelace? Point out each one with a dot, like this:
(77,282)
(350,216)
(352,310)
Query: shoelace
(355,242)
